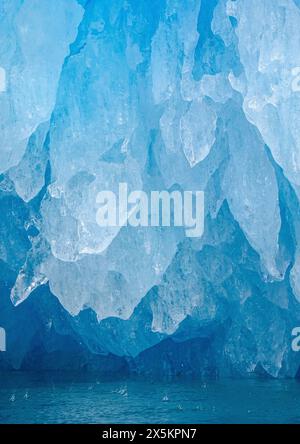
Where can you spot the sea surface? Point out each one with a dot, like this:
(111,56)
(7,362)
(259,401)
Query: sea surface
(68,398)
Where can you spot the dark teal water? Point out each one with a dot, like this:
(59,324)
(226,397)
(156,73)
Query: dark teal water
(52,398)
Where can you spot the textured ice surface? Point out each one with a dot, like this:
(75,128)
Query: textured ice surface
(195,95)
(35,35)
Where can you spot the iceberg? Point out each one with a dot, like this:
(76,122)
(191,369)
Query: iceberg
(168,95)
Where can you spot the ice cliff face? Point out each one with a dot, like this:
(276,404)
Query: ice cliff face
(195,95)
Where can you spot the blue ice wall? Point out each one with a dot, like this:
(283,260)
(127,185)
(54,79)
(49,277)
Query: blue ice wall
(167,94)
